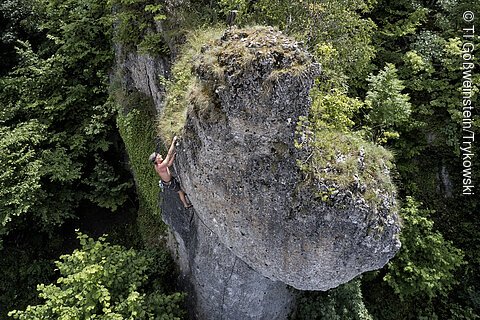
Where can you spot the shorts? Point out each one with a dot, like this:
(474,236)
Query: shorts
(171,185)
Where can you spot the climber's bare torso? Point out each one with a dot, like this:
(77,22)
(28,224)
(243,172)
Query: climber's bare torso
(162,169)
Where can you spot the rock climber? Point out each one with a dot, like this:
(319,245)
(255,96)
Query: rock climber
(162,167)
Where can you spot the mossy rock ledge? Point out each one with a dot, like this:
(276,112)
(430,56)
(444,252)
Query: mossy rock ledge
(237,161)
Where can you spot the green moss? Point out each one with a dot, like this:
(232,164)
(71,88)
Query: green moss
(183,83)
(346,161)
(137,128)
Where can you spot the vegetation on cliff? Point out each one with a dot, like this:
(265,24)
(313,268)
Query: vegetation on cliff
(182,84)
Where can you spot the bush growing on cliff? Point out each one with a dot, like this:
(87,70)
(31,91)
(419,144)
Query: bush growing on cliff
(103,281)
(345,160)
(333,109)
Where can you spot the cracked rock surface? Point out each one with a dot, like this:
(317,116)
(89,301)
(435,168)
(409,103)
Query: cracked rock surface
(237,163)
(220,285)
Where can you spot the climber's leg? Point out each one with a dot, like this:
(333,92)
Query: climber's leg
(181,194)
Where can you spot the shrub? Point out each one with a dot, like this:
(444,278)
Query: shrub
(102,281)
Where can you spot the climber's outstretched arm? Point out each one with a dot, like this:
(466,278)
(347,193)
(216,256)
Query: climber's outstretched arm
(172,158)
(171,153)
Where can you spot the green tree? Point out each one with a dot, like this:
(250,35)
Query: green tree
(423,281)
(22,268)
(389,107)
(426,263)
(18,21)
(423,39)
(135,26)
(57,125)
(103,281)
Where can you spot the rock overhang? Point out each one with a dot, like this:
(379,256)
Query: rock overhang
(238,164)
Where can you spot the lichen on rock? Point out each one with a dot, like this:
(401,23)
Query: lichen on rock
(238,162)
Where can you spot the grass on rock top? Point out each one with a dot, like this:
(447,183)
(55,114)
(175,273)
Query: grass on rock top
(172,119)
(213,52)
(348,162)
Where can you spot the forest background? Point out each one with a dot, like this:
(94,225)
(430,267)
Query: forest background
(71,140)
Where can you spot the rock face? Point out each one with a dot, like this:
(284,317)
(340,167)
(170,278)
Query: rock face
(142,72)
(237,162)
(258,225)
(220,285)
